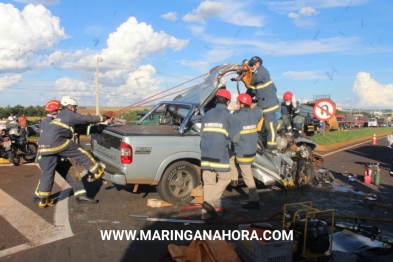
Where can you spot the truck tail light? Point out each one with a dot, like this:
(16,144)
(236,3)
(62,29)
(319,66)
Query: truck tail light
(125,153)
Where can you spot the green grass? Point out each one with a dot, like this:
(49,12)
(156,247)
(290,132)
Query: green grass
(334,137)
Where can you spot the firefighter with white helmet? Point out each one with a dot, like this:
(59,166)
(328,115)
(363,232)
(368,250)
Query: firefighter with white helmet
(56,140)
(64,167)
(245,139)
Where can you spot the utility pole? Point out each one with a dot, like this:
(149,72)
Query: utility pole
(98,86)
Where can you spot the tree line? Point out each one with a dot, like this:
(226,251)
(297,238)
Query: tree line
(18,110)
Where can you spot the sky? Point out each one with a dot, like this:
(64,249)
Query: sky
(53,48)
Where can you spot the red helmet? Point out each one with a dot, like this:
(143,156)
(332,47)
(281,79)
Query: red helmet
(287,96)
(52,105)
(224,93)
(245,99)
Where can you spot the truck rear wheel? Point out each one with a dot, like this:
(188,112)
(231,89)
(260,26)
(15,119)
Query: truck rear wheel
(177,182)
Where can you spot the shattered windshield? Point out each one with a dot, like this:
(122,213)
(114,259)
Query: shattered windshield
(204,91)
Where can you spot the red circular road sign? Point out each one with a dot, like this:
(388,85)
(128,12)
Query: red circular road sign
(324,109)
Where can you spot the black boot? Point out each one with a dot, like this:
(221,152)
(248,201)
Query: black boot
(83,198)
(252,205)
(36,200)
(210,210)
(45,202)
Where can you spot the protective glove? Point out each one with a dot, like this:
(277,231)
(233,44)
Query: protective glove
(294,103)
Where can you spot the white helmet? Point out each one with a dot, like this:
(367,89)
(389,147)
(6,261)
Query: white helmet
(67,100)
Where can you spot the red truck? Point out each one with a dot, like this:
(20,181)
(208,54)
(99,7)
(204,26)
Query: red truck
(361,120)
(346,121)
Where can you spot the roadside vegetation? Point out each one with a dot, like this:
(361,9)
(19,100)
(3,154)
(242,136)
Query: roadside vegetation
(334,137)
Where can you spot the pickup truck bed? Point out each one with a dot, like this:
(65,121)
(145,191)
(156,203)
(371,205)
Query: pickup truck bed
(148,130)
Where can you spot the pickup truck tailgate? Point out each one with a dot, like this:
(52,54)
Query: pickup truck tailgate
(106,147)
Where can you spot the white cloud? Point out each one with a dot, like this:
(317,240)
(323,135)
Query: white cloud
(36,2)
(216,55)
(128,45)
(229,11)
(141,83)
(371,93)
(205,10)
(82,91)
(305,11)
(20,37)
(119,70)
(293,15)
(308,11)
(284,7)
(283,48)
(172,16)
(238,13)
(9,80)
(305,75)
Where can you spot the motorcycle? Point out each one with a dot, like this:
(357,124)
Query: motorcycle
(20,146)
(5,142)
(4,147)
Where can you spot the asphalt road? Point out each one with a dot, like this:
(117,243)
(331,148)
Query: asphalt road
(71,232)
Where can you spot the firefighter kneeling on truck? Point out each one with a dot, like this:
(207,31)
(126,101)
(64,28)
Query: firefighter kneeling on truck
(56,141)
(290,114)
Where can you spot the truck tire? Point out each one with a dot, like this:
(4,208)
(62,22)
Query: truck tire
(177,182)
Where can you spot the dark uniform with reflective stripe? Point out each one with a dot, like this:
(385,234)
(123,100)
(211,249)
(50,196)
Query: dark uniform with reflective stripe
(266,93)
(244,128)
(56,141)
(288,113)
(214,139)
(62,167)
(214,153)
(245,138)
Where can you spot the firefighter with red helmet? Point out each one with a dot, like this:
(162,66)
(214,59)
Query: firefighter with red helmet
(245,139)
(265,92)
(56,140)
(290,113)
(214,153)
(64,167)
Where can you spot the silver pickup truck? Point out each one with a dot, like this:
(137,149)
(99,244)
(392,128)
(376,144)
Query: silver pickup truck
(167,154)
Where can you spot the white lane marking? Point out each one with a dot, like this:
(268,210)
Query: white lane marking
(12,250)
(28,223)
(61,217)
(342,149)
(37,230)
